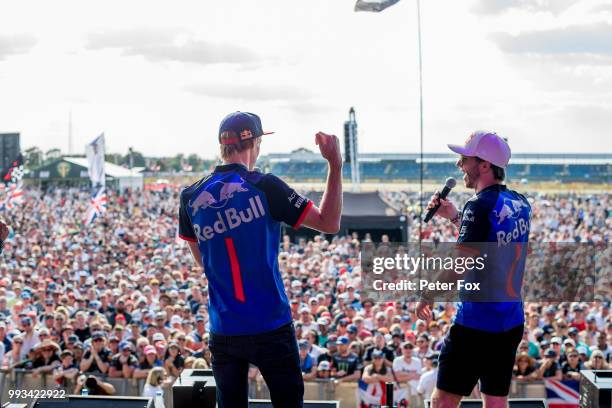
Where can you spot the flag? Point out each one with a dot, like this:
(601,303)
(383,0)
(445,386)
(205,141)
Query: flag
(562,394)
(95,157)
(15,172)
(97,206)
(374,5)
(375,395)
(14,196)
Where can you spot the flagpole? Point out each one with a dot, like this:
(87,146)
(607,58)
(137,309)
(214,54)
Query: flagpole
(420,121)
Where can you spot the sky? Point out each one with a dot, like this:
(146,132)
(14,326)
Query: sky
(159,76)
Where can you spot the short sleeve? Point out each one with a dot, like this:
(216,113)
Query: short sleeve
(286,205)
(185,229)
(474,223)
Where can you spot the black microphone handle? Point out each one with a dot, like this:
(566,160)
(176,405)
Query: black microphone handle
(432,211)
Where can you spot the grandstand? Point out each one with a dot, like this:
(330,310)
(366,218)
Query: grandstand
(305,166)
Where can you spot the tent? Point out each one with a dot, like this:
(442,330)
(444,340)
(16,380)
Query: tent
(363,213)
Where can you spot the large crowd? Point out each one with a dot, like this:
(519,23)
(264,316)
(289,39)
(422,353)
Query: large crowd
(122,298)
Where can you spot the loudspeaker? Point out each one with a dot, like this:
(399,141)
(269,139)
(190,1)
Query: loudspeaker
(94,401)
(595,388)
(512,402)
(195,387)
(256,403)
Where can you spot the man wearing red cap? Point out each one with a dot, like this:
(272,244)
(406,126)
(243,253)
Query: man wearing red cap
(231,220)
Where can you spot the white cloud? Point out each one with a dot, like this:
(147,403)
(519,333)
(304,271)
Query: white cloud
(15,44)
(164,45)
(588,39)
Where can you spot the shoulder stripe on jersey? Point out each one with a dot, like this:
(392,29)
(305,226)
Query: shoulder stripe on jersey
(303,215)
(187,238)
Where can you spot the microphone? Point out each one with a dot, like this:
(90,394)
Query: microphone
(450,184)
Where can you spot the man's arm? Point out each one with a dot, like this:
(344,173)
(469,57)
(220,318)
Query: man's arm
(195,251)
(326,218)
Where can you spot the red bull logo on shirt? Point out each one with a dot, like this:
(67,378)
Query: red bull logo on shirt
(229,219)
(206,198)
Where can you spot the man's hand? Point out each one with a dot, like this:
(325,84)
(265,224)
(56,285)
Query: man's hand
(4,231)
(329,145)
(424,310)
(447,208)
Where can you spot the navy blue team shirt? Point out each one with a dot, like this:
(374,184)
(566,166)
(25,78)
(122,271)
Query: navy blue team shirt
(235,216)
(500,217)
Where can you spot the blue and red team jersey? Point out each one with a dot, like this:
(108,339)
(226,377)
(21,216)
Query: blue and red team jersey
(235,216)
(500,217)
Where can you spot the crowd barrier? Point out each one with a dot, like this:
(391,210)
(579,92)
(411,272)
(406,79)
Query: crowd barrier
(346,393)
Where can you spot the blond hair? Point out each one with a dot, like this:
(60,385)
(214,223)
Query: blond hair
(156,376)
(228,150)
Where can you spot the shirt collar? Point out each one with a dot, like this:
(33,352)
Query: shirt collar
(230,167)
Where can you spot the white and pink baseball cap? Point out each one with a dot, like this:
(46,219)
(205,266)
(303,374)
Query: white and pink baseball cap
(486,145)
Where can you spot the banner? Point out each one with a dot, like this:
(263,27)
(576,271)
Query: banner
(95,157)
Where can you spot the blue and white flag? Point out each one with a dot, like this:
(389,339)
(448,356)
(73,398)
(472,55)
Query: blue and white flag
(97,206)
(95,157)
(374,5)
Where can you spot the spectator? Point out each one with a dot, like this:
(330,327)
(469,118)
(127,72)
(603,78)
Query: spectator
(324,370)
(571,368)
(174,361)
(67,370)
(97,358)
(408,368)
(154,382)
(525,367)
(48,360)
(307,362)
(550,366)
(123,363)
(597,361)
(427,382)
(30,337)
(377,371)
(345,365)
(151,360)
(94,386)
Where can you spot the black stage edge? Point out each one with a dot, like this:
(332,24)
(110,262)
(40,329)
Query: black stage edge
(512,402)
(259,403)
(94,401)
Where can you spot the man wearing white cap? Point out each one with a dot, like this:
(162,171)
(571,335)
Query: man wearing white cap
(493,329)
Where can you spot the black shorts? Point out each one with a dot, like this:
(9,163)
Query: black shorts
(469,355)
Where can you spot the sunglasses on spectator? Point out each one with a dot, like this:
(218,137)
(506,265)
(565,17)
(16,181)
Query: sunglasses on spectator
(97,340)
(598,357)
(48,349)
(573,356)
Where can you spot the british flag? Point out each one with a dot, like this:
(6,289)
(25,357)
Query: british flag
(13,196)
(562,394)
(97,206)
